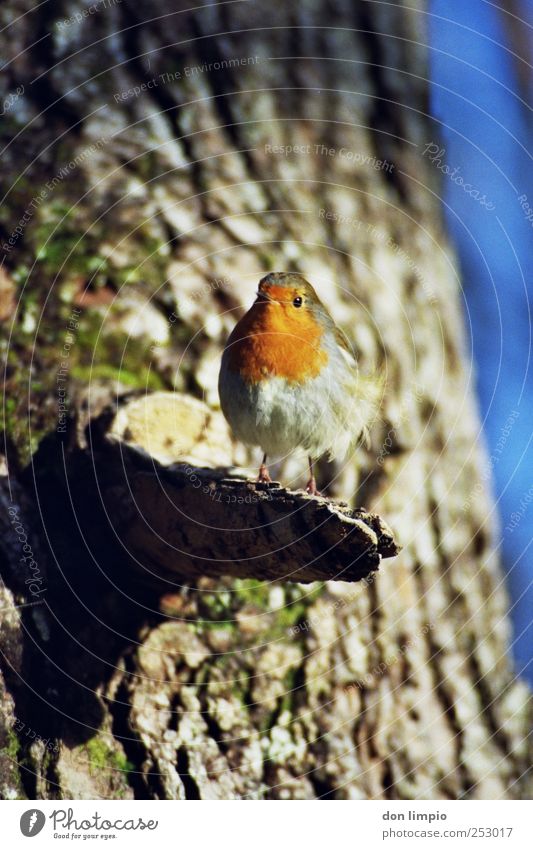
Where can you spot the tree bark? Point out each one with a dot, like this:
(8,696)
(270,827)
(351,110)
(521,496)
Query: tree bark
(163,135)
(184,519)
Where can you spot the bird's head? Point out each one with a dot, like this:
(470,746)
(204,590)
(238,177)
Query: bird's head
(289,290)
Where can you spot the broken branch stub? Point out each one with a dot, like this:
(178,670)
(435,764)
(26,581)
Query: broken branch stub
(181,521)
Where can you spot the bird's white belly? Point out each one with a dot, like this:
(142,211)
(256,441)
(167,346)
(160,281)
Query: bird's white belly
(280,416)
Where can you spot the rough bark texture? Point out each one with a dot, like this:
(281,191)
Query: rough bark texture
(179,520)
(399,687)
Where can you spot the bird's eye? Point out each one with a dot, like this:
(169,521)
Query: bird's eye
(298,301)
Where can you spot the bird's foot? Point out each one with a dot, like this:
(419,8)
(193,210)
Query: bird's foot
(311,487)
(263,476)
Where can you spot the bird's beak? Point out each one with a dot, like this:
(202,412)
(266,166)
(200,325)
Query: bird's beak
(264,297)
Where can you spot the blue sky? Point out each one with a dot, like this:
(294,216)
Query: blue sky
(488,133)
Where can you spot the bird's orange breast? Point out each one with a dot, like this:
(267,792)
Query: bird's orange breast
(269,341)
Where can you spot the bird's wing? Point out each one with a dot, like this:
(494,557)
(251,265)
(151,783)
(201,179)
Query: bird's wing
(346,348)
(367,390)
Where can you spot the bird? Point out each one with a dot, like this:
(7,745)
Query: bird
(289,378)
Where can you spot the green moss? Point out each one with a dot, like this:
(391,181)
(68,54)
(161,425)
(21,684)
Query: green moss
(142,379)
(102,757)
(51,248)
(10,760)
(225,674)
(20,274)
(23,432)
(290,686)
(57,243)
(101,355)
(203,625)
(215,614)
(219,609)
(95,354)
(215,608)
(289,616)
(253,591)
(65,245)
(12,747)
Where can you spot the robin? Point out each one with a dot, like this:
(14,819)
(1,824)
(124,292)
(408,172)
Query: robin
(289,379)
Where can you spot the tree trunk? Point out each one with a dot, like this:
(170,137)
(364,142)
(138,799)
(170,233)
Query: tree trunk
(154,184)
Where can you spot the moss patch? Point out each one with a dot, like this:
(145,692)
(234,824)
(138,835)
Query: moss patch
(102,757)
(12,745)
(220,609)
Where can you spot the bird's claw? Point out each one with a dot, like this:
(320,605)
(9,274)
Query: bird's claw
(263,476)
(311,488)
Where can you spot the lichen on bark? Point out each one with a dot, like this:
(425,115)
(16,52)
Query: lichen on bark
(402,688)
